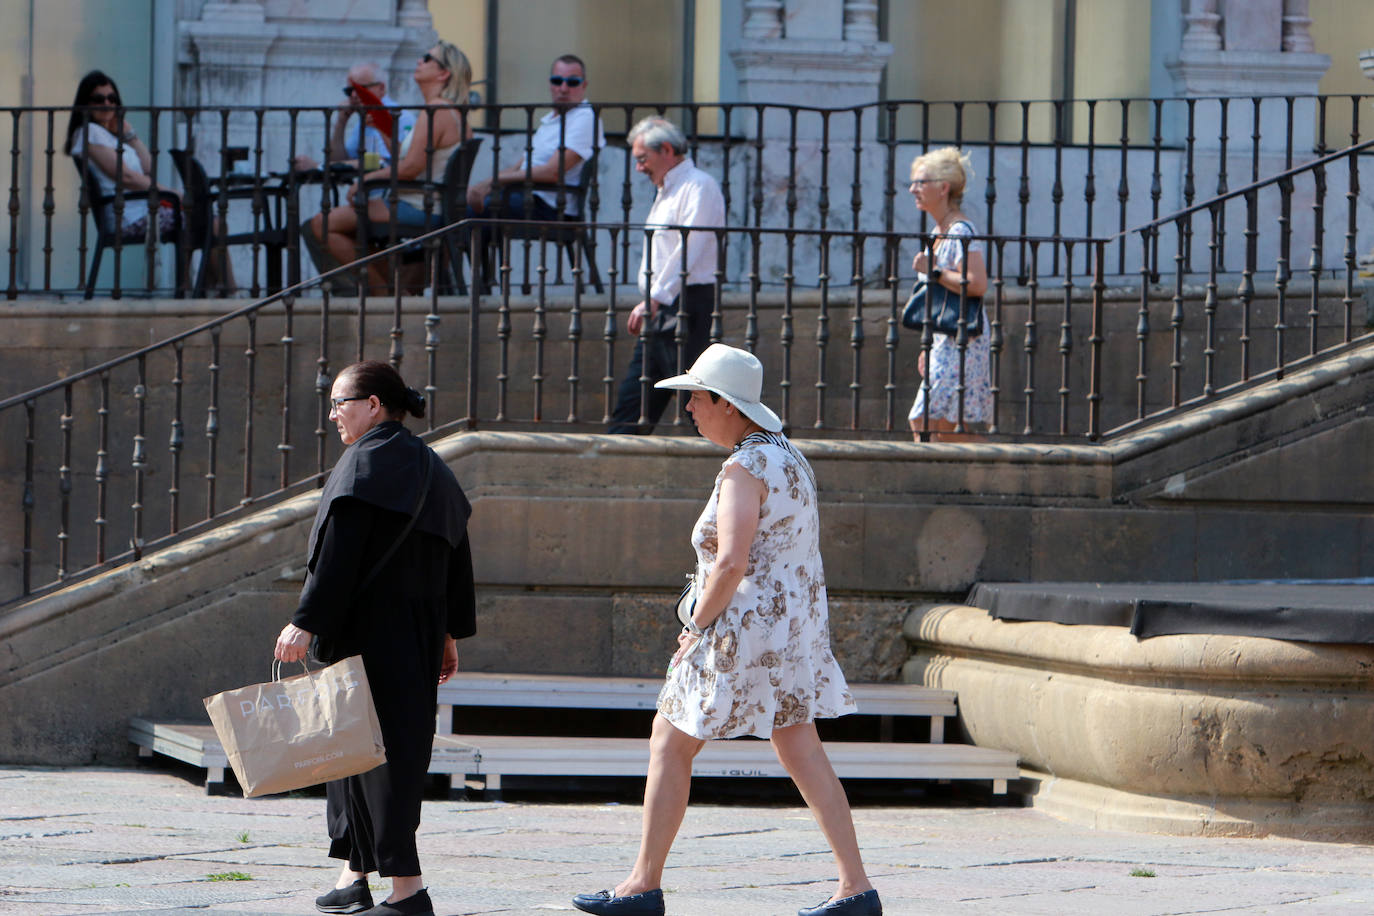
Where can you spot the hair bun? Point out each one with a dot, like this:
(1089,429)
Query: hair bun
(415,402)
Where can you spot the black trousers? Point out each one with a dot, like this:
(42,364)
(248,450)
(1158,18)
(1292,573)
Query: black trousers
(693,309)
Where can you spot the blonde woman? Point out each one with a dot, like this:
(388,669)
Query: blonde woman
(938,179)
(755,657)
(443,75)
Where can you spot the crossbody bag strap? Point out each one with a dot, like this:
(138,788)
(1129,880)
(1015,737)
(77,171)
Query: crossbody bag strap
(414,517)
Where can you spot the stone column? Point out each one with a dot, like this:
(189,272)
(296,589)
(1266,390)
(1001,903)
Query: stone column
(1243,48)
(815,54)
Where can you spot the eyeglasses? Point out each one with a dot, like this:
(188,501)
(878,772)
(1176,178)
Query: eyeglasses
(339,402)
(348,90)
(572,81)
(428,58)
(924,181)
(100,98)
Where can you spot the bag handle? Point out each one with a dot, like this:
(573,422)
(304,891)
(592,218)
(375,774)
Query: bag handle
(276,668)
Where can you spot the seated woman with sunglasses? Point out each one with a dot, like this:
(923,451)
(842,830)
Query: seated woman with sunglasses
(99,136)
(572,128)
(443,75)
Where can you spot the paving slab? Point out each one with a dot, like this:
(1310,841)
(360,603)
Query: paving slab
(144,840)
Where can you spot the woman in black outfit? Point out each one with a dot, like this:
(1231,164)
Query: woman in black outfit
(397,597)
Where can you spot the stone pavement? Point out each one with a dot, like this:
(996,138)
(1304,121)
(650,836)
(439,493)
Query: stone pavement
(77,841)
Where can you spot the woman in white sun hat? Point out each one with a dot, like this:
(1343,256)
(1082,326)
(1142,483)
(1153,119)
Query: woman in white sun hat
(755,658)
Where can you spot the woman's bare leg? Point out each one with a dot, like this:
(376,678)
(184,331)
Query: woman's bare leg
(348,876)
(403,887)
(800,752)
(665,803)
(338,234)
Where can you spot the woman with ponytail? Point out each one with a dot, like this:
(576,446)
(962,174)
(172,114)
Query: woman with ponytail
(389,577)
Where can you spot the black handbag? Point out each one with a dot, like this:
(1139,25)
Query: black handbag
(942,306)
(687,601)
(327,650)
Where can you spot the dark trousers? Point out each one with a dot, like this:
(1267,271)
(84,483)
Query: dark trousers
(693,309)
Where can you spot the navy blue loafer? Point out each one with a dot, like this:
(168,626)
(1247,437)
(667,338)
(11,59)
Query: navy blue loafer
(865,904)
(605,903)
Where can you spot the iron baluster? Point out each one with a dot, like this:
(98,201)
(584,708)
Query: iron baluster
(1156,185)
(14,203)
(539,333)
(1090,179)
(1142,328)
(609,332)
(1222,188)
(288,348)
(1057,188)
(1123,191)
(990,188)
(1024,194)
(28,500)
(1246,293)
(751,320)
(1314,268)
(1352,196)
(1189,184)
(890,341)
(212,424)
(1282,271)
(1029,345)
(176,441)
(1176,323)
(1066,340)
(503,337)
(856,336)
(1209,309)
(995,340)
(575,336)
(49,205)
(822,335)
(432,345)
(139,460)
(250,355)
(102,467)
(786,334)
(64,485)
(1095,342)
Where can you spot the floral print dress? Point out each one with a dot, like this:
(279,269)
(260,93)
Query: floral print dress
(765,663)
(944,353)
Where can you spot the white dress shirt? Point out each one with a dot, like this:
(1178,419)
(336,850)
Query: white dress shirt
(689,197)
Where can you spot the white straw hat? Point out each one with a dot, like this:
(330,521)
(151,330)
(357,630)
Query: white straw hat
(734,374)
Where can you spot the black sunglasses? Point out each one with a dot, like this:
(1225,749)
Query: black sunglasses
(428,57)
(348,90)
(339,402)
(572,81)
(100,98)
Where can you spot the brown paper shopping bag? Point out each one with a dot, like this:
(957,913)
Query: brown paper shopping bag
(299,731)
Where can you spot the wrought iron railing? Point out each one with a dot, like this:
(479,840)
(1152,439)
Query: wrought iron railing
(1071,356)
(1049,168)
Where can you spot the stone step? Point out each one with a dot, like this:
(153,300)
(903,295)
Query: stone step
(490,757)
(582,692)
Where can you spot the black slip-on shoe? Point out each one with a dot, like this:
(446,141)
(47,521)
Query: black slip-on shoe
(417,904)
(865,904)
(605,903)
(352,899)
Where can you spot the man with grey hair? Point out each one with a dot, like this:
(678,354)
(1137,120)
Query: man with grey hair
(343,136)
(687,196)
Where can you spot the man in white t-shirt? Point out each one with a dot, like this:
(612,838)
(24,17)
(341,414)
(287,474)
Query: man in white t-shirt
(572,128)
